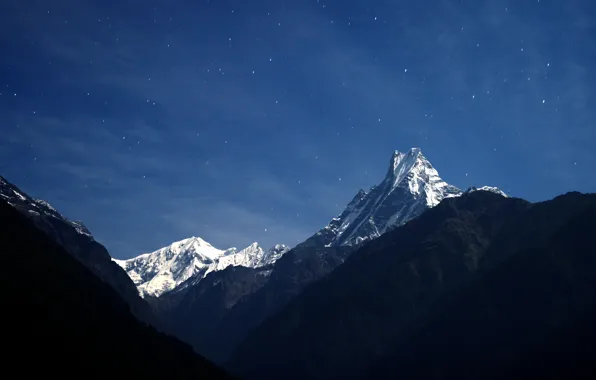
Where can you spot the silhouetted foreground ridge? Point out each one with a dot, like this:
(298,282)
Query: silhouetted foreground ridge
(480,286)
(64,322)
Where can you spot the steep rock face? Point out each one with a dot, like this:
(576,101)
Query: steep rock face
(78,241)
(64,322)
(192,259)
(455,293)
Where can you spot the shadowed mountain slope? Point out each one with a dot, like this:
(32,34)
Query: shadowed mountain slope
(65,322)
(457,287)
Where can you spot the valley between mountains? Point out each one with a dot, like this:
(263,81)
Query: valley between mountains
(416,278)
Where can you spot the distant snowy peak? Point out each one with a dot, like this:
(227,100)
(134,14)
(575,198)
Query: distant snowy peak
(492,189)
(250,256)
(167,268)
(414,171)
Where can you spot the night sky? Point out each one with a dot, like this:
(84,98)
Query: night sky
(240,121)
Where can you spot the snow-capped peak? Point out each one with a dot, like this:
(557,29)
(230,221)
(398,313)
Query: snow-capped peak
(402,163)
(167,268)
(413,170)
(410,186)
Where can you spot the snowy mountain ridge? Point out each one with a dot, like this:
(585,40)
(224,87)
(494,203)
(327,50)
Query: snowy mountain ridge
(410,186)
(169,267)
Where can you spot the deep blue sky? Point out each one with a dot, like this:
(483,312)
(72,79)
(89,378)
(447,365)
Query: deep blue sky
(243,121)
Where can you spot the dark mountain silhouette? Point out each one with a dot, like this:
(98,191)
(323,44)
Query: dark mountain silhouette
(217,313)
(200,309)
(532,316)
(74,237)
(65,322)
(479,285)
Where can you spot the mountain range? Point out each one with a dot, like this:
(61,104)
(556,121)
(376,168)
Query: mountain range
(414,279)
(167,268)
(238,300)
(410,186)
